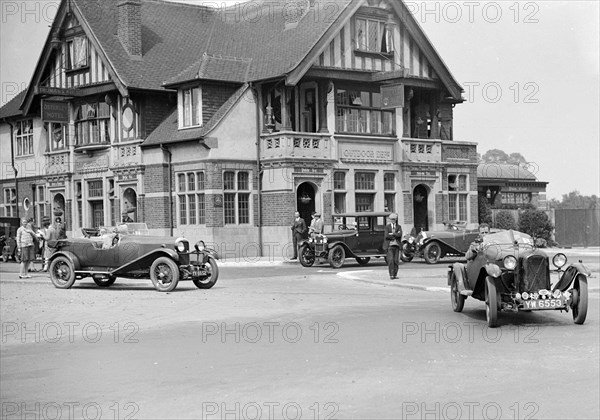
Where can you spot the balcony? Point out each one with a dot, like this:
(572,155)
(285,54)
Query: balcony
(295,145)
(438,151)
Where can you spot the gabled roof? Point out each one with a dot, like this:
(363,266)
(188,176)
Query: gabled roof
(11,108)
(168,131)
(504,171)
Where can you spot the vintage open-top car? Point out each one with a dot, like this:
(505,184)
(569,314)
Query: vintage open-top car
(433,245)
(128,251)
(509,274)
(355,235)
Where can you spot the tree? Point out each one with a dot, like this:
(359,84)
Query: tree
(537,224)
(574,200)
(505,220)
(500,156)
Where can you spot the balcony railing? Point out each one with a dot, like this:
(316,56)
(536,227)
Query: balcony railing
(288,144)
(437,151)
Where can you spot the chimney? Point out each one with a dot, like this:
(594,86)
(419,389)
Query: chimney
(129,26)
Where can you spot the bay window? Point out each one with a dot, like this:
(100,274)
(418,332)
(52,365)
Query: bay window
(92,123)
(360,112)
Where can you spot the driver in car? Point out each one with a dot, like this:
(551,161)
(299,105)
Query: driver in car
(476,245)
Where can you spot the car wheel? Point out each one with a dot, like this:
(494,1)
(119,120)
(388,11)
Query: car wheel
(580,300)
(307,257)
(404,254)
(62,272)
(432,252)
(336,256)
(213,274)
(363,260)
(164,274)
(491,302)
(458,300)
(105,282)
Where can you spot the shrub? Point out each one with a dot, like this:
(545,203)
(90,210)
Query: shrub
(485,211)
(505,220)
(537,224)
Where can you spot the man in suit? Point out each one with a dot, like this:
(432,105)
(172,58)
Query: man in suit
(392,238)
(298,229)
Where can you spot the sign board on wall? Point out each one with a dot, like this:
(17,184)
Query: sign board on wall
(366,153)
(392,96)
(55,111)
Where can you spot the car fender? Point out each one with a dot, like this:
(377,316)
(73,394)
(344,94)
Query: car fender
(348,251)
(302,242)
(571,274)
(460,271)
(69,255)
(146,260)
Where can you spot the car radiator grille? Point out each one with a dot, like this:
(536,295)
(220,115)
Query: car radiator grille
(534,274)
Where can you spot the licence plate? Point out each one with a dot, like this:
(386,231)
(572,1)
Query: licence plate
(543,304)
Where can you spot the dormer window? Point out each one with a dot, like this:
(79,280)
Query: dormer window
(374,35)
(190,107)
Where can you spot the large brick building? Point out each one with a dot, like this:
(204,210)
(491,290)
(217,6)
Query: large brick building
(221,123)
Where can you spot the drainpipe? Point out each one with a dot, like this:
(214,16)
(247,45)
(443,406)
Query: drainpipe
(169,155)
(12,162)
(258,172)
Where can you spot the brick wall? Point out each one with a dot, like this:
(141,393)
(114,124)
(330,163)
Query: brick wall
(156,212)
(129,27)
(408,208)
(278,208)
(439,208)
(474,209)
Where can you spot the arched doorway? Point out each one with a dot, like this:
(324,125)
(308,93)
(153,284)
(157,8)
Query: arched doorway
(420,208)
(129,212)
(305,201)
(58,206)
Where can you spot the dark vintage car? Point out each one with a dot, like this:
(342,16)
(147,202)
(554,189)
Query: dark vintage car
(129,252)
(354,235)
(509,274)
(433,245)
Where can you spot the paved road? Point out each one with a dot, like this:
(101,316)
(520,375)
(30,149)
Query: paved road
(281,341)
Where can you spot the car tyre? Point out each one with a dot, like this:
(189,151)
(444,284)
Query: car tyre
(336,256)
(307,256)
(432,252)
(363,260)
(404,256)
(62,272)
(164,274)
(491,302)
(458,300)
(580,299)
(211,279)
(105,282)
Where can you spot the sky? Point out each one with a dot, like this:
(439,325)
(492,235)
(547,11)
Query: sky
(530,71)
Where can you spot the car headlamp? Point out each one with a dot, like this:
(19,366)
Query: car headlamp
(510,262)
(200,246)
(324,239)
(180,245)
(559,260)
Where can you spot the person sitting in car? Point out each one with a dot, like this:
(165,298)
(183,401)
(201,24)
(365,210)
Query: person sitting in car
(476,245)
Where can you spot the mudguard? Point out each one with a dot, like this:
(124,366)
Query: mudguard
(146,260)
(569,275)
(212,253)
(460,272)
(70,256)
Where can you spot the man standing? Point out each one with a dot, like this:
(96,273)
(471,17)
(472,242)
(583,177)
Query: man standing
(316,226)
(391,243)
(298,229)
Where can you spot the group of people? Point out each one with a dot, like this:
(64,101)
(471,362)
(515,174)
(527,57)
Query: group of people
(299,229)
(29,238)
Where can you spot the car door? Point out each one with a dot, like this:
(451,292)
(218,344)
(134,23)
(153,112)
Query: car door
(364,240)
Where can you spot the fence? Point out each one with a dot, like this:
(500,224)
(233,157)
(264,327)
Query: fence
(577,227)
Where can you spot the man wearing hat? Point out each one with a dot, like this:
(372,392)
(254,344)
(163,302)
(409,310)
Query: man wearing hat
(316,225)
(50,234)
(391,243)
